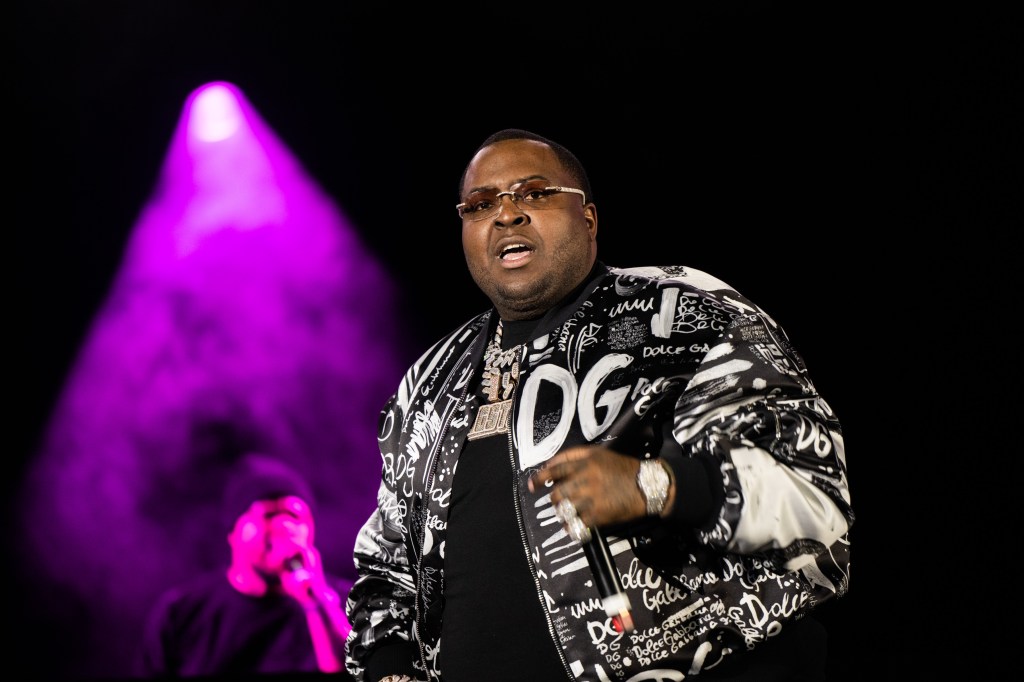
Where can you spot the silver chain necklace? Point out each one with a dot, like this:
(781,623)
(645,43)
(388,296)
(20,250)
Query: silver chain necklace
(498,384)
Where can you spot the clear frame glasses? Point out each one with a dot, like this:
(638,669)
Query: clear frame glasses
(530,196)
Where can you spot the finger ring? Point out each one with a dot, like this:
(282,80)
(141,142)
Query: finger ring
(565,511)
(577,530)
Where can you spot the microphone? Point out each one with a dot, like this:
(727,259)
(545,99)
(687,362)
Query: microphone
(616,603)
(297,567)
(627,432)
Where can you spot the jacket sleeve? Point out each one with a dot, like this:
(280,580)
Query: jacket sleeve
(380,605)
(770,445)
(382,602)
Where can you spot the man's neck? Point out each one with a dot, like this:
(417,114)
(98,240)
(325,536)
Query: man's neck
(515,332)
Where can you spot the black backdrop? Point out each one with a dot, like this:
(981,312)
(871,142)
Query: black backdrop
(854,170)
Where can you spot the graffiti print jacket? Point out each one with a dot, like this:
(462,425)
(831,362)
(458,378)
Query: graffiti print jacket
(669,362)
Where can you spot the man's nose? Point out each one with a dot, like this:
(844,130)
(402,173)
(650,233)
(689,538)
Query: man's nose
(509,212)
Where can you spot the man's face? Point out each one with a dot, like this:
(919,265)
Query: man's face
(526,260)
(270,532)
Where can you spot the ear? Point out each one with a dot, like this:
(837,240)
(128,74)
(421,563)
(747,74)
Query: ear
(590,215)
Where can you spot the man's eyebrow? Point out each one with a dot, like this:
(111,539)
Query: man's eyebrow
(529,178)
(278,512)
(517,182)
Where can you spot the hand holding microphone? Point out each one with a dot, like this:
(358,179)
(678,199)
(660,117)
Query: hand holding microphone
(614,489)
(599,556)
(300,576)
(598,484)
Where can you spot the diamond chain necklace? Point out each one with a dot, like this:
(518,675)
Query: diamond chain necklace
(492,417)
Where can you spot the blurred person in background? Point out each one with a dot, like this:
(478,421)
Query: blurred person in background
(273,610)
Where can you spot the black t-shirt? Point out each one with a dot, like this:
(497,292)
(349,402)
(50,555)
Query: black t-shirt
(206,627)
(493,626)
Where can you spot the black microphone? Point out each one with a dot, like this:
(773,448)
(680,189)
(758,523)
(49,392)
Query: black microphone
(627,432)
(615,601)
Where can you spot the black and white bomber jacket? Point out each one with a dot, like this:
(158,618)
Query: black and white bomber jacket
(709,380)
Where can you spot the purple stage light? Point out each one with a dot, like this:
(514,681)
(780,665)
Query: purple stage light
(246,312)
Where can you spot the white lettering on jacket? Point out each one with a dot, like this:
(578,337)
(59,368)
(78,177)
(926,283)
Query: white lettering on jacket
(532,454)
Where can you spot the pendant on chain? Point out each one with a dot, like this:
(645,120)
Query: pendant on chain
(492,417)
(498,385)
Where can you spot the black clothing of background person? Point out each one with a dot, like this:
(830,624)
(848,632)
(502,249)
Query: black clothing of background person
(273,609)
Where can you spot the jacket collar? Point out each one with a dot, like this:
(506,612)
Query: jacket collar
(518,331)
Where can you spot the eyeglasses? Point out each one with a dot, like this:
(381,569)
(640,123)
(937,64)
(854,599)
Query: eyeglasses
(528,196)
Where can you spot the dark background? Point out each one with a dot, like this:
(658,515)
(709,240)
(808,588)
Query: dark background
(855,170)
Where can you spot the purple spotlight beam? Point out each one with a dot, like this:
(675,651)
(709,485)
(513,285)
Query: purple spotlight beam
(246,309)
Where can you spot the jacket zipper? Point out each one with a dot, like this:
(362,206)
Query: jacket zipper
(422,538)
(519,520)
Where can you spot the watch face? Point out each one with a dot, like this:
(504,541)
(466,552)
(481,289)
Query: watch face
(654,482)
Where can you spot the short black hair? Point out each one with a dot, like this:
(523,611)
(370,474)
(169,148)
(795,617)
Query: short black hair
(258,476)
(569,162)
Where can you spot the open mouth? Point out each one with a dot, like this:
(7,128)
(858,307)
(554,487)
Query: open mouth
(514,251)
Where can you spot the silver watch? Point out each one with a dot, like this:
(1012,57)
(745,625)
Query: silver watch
(653,481)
